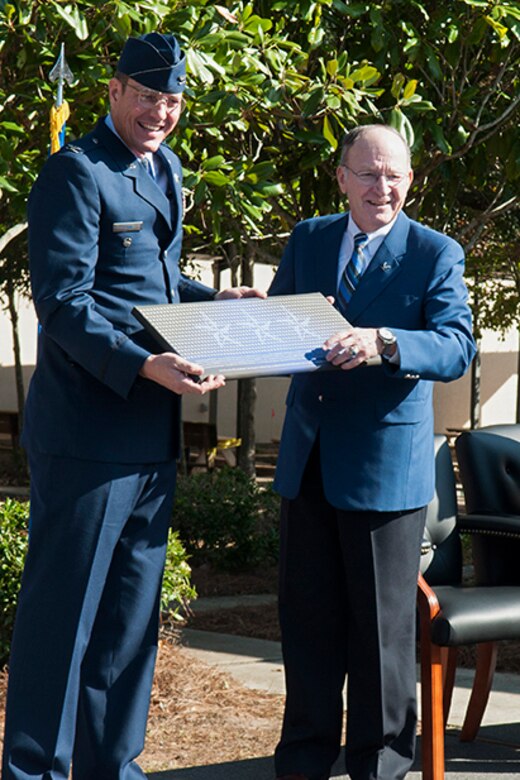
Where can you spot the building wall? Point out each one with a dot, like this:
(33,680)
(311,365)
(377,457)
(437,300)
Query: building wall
(28,334)
(499,379)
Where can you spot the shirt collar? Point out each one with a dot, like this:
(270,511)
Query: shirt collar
(353,229)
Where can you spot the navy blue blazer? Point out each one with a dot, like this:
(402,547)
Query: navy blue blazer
(376,422)
(103,238)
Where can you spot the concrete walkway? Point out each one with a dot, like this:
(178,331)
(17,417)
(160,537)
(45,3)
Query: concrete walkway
(495,755)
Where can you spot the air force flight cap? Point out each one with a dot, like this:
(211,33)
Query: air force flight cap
(155,61)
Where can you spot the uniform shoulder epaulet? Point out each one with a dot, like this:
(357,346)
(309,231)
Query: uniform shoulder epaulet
(74,148)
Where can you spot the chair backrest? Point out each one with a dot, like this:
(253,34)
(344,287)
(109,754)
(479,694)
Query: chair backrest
(442,564)
(489,463)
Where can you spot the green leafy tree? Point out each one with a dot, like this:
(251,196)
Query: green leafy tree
(273,85)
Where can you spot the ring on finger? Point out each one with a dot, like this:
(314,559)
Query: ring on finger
(353,352)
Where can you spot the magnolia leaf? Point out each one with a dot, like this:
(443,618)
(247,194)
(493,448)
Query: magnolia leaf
(410,88)
(313,101)
(500,29)
(439,139)
(453,33)
(269,189)
(328,133)
(228,16)
(213,162)
(216,178)
(402,124)
(416,104)
(397,85)
(5,184)
(197,66)
(75,19)
(12,127)
(346,81)
(364,74)
(332,67)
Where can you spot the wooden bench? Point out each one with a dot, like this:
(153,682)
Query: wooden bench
(200,444)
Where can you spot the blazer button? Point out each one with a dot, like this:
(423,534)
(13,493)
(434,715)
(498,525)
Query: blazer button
(127,242)
(320,398)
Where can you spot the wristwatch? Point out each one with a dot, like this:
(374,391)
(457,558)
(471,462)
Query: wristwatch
(388,339)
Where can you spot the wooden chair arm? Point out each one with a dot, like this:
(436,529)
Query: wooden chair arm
(427,601)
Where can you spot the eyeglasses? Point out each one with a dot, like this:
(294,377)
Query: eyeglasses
(369,178)
(150,99)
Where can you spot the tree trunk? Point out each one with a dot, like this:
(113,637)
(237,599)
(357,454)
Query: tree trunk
(213,397)
(475,411)
(518,382)
(18,371)
(475,389)
(246,400)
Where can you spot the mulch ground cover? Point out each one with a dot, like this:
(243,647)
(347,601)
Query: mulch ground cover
(198,715)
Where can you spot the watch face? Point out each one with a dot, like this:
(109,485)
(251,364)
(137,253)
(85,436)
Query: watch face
(386,336)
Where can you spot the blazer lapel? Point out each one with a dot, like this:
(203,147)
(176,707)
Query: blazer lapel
(175,192)
(327,256)
(383,268)
(148,190)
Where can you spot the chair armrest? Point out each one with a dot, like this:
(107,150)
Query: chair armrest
(496,525)
(427,601)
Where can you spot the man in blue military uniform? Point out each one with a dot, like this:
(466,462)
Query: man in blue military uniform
(101,431)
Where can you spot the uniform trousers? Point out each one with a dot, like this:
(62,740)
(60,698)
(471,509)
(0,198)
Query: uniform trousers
(348,582)
(85,637)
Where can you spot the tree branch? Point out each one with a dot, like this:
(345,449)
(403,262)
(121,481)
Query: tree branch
(11,234)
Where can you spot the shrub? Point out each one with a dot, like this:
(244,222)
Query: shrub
(176,592)
(226,519)
(13,548)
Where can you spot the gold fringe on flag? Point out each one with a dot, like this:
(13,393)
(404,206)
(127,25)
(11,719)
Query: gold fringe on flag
(58,117)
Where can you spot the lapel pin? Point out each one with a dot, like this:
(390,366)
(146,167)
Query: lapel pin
(385,266)
(176,178)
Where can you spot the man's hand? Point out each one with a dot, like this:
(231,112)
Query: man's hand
(172,371)
(240,292)
(351,348)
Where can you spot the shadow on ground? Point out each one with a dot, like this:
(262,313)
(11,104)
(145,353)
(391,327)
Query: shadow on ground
(487,758)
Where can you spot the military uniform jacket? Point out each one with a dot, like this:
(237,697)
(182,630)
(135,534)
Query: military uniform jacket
(103,238)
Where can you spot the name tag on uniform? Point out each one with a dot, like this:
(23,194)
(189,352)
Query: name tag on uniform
(126,227)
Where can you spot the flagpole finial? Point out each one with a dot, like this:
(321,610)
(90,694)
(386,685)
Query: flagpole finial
(60,73)
(60,110)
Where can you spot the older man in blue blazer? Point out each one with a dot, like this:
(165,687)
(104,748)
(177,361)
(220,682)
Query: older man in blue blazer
(356,465)
(101,431)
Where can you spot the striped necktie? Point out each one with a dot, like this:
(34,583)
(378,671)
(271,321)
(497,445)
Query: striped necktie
(353,270)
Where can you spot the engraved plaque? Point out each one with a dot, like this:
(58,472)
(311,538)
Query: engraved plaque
(247,337)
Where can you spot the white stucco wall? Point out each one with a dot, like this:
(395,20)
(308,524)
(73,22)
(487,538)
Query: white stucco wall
(451,401)
(28,330)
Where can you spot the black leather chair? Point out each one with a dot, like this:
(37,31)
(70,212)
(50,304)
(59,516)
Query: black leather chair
(489,465)
(452,614)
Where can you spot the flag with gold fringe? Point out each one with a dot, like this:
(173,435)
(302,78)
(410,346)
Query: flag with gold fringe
(60,111)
